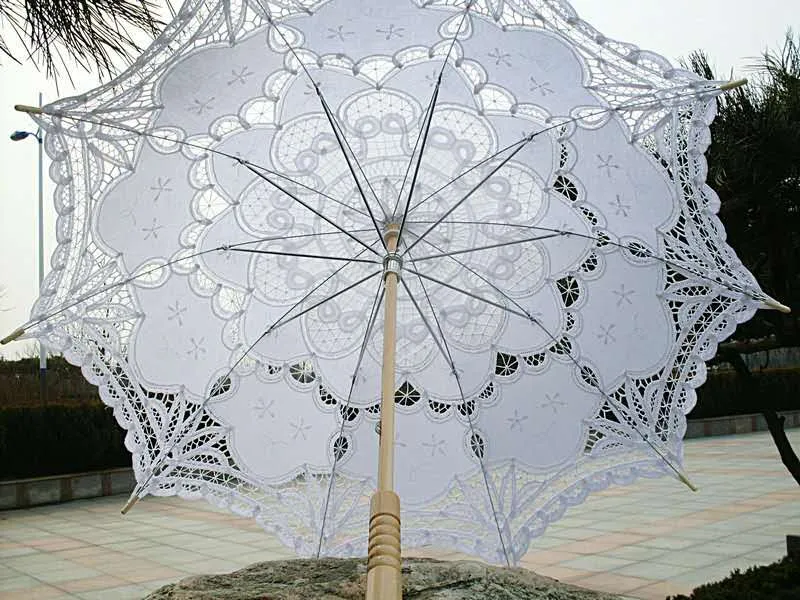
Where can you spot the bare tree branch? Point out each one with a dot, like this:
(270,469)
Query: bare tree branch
(775,422)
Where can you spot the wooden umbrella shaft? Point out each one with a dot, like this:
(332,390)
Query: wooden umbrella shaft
(384,562)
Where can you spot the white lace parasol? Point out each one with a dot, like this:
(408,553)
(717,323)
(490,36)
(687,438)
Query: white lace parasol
(223,209)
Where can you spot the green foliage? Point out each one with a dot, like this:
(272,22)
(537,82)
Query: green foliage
(94,34)
(19,384)
(724,395)
(53,440)
(754,166)
(778,581)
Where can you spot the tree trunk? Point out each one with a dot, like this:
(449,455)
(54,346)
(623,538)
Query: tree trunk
(775,422)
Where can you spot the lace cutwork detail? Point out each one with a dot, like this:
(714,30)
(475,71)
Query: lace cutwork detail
(552,327)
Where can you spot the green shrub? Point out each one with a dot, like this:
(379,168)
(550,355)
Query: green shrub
(53,440)
(19,384)
(723,394)
(778,581)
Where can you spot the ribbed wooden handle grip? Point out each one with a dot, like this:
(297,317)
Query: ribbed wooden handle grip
(384,541)
(384,560)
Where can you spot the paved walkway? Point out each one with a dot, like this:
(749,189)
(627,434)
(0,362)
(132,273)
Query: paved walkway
(645,541)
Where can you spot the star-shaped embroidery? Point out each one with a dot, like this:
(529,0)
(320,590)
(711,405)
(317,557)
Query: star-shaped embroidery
(200,107)
(300,428)
(129,211)
(240,76)
(176,313)
(152,231)
(553,401)
(197,347)
(543,88)
(391,31)
(433,77)
(339,33)
(623,295)
(311,89)
(238,163)
(263,407)
(274,443)
(607,164)
(435,446)
(620,207)
(500,57)
(161,186)
(516,421)
(606,334)
(227,253)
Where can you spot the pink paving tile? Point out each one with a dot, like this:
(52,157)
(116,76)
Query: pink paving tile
(157,519)
(562,573)
(39,592)
(712,515)
(56,545)
(766,501)
(651,530)
(102,558)
(9,545)
(626,539)
(659,591)
(547,557)
(103,582)
(151,574)
(40,541)
(72,553)
(612,583)
(601,544)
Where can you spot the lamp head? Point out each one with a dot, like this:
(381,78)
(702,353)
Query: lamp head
(20,135)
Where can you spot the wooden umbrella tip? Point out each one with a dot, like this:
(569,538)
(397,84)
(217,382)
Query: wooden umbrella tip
(772,304)
(685,480)
(34,110)
(732,85)
(129,504)
(12,336)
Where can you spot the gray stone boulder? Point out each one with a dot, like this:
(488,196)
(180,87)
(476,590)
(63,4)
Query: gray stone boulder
(345,579)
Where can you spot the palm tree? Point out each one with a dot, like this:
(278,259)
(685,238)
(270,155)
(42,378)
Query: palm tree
(95,34)
(754,165)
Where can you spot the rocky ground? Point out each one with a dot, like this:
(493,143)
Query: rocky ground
(345,579)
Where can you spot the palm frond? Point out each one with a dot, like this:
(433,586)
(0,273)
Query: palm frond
(57,34)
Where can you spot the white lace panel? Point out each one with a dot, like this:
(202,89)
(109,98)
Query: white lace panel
(564,277)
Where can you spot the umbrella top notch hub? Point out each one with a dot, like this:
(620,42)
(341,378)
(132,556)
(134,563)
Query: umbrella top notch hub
(391,230)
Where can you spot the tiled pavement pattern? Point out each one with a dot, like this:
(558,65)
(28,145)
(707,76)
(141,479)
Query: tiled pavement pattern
(645,541)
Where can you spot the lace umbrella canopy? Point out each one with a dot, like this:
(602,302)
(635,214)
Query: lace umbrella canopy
(222,250)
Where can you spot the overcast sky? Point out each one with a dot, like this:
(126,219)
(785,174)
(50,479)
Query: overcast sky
(732,32)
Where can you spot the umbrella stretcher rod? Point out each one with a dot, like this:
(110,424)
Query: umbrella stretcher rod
(384,562)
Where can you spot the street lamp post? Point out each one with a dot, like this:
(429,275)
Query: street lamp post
(39,137)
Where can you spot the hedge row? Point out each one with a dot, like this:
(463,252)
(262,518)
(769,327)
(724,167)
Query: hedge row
(778,581)
(723,394)
(80,434)
(53,440)
(19,384)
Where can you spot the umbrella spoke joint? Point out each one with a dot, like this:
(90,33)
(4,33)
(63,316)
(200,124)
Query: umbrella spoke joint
(392,263)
